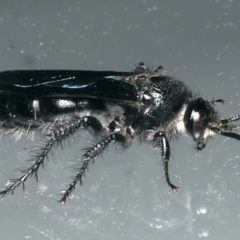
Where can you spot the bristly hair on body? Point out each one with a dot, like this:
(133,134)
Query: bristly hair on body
(115,107)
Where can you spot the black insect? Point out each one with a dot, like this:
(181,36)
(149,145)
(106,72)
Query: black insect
(115,106)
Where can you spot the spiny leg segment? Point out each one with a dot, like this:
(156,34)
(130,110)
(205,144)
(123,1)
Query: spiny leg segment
(91,154)
(225,129)
(59,132)
(231,119)
(160,141)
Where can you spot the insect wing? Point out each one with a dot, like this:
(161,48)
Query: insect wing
(68,83)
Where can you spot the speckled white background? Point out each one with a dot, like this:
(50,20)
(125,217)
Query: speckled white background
(124,195)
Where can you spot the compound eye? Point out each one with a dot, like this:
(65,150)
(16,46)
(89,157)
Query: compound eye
(198,129)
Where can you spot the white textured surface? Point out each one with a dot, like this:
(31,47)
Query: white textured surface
(125,196)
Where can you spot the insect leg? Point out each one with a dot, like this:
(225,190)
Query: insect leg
(160,142)
(91,154)
(231,119)
(58,133)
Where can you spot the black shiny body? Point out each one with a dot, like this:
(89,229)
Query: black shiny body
(81,88)
(88,91)
(116,107)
